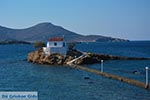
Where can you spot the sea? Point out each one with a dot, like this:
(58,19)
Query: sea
(66,83)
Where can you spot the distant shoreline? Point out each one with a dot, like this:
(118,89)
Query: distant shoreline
(6,42)
(13,42)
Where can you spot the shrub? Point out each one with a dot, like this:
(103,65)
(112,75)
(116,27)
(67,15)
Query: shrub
(39,44)
(71,46)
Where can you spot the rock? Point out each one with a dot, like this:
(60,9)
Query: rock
(136,72)
(57,59)
(30,56)
(86,77)
(68,58)
(36,56)
(39,57)
(87,60)
(74,53)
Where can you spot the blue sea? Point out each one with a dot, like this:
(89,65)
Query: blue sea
(65,83)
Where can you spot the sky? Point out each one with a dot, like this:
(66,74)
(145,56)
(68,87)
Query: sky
(128,19)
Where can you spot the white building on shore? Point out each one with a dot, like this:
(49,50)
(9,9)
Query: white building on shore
(55,45)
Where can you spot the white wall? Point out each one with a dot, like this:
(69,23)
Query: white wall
(60,50)
(51,44)
(50,50)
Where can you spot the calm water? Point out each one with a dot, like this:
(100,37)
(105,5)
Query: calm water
(65,83)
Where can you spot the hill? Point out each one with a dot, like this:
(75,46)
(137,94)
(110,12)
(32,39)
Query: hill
(42,31)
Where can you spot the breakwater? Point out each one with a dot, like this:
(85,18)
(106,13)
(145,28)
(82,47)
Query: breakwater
(116,77)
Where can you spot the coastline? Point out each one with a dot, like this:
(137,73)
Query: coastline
(39,57)
(5,42)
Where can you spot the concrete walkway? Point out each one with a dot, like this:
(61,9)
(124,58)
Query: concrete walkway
(83,55)
(116,77)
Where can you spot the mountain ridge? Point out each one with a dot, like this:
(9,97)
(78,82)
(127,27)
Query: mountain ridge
(43,31)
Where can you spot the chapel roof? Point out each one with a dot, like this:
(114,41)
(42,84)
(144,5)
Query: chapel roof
(56,39)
